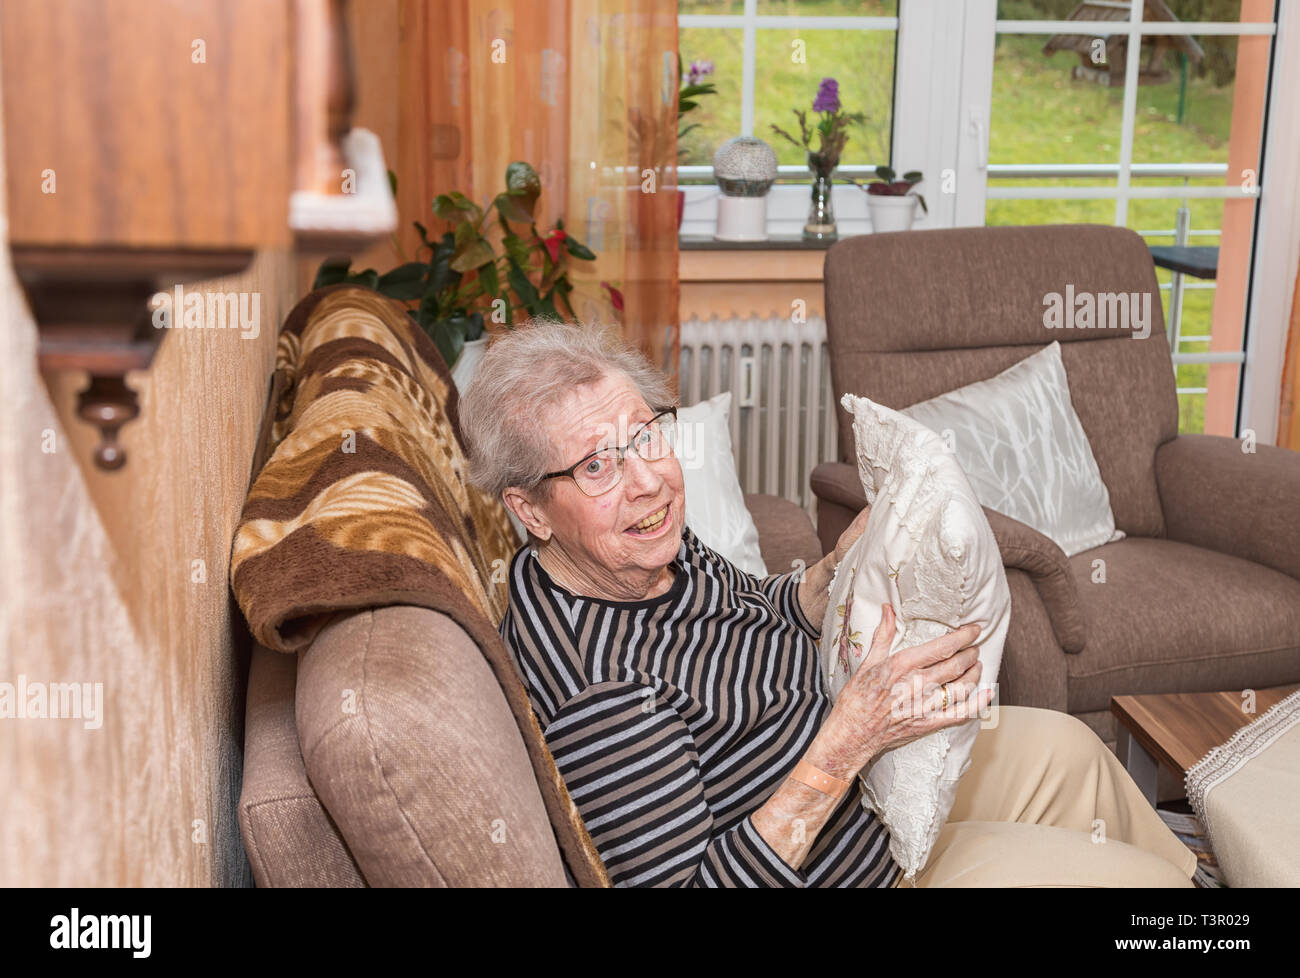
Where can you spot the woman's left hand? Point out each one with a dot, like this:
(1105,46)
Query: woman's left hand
(850,535)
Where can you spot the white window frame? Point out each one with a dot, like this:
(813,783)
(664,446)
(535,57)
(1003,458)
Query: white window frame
(942,102)
(1123,191)
(942,94)
(787,204)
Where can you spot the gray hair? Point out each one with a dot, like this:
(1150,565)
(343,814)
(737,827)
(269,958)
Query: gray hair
(524,374)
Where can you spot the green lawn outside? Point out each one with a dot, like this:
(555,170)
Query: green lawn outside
(1040,115)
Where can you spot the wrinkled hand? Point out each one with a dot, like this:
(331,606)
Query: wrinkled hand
(850,535)
(892,700)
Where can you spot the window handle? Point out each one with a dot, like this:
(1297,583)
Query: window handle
(979,131)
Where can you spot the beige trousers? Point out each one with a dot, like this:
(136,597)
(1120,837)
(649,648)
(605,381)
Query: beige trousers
(1044,803)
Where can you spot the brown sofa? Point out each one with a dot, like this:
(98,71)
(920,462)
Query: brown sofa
(385,754)
(1204,593)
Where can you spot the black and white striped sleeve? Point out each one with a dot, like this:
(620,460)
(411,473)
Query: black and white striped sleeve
(783,590)
(631,767)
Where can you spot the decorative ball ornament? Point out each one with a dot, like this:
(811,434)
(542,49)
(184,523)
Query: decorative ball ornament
(745,169)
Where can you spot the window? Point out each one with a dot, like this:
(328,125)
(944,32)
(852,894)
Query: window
(1167,144)
(768,58)
(1030,112)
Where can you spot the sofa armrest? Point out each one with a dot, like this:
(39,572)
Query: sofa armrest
(785,532)
(1024,548)
(427,745)
(287,834)
(840,497)
(1243,504)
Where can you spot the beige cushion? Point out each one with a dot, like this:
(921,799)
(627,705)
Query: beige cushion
(785,532)
(413,750)
(1152,627)
(928,551)
(1019,441)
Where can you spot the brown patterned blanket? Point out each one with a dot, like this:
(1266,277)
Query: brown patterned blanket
(360,500)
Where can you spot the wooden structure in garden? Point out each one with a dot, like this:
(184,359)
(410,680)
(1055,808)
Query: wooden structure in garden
(1109,70)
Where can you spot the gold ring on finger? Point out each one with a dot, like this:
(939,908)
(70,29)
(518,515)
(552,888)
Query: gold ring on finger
(945,697)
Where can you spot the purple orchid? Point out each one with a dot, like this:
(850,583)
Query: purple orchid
(831,128)
(828,96)
(698,70)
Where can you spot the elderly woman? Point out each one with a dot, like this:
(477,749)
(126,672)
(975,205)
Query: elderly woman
(683,699)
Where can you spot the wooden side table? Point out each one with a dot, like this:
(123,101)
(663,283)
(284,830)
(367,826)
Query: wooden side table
(1175,730)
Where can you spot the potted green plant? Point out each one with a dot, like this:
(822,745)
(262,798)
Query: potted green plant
(459,281)
(891,199)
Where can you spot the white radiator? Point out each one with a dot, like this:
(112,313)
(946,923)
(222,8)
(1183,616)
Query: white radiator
(782,413)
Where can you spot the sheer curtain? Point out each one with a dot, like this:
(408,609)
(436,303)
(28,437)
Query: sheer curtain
(585,91)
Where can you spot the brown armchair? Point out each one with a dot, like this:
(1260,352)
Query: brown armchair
(1204,593)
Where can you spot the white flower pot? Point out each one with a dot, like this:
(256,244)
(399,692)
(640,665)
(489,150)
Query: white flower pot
(891,213)
(467,363)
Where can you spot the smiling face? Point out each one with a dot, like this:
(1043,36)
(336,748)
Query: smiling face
(617,545)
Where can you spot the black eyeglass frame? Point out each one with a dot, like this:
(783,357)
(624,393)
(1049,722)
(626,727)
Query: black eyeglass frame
(622,453)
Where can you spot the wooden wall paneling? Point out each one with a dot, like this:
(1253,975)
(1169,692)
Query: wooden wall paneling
(121,579)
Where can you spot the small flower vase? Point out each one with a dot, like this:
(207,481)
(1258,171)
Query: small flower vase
(821,215)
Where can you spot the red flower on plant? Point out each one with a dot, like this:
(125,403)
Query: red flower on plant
(552,242)
(615,296)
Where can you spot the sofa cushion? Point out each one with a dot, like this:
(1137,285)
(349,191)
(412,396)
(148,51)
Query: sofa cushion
(289,837)
(715,503)
(1171,617)
(1019,441)
(413,749)
(912,316)
(785,532)
(927,551)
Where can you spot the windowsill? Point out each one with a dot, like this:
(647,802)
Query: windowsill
(787,213)
(775,242)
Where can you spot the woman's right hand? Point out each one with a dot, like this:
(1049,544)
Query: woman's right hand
(891,700)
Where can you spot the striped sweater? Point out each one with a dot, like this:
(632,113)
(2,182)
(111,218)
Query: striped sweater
(674,718)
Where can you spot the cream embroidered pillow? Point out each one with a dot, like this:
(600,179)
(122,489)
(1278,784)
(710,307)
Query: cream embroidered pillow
(929,552)
(1020,443)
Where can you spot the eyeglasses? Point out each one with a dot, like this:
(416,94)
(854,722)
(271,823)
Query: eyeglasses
(601,471)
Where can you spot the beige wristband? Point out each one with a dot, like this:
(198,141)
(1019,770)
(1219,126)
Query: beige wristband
(815,777)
